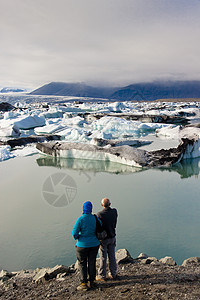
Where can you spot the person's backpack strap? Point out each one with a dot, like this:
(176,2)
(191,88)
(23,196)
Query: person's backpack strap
(99,227)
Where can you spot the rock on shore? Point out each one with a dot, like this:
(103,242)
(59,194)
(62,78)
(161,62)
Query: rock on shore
(143,277)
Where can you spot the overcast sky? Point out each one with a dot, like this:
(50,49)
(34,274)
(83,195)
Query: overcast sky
(98,41)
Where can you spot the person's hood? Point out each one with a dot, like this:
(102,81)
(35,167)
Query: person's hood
(87,207)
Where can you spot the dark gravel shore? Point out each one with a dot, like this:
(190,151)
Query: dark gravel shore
(136,281)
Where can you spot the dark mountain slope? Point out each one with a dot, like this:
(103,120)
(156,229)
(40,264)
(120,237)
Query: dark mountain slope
(159,90)
(74,89)
(139,92)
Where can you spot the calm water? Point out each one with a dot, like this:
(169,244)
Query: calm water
(159,210)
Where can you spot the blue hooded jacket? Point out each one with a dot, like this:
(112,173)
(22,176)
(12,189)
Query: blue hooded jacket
(84,230)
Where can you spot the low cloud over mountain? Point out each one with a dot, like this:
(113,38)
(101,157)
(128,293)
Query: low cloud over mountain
(138,92)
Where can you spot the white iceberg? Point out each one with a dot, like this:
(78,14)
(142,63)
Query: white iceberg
(190,131)
(53,112)
(117,107)
(50,128)
(75,135)
(5,153)
(12,131)
(78,121)
(170,132)
(29,122)
(119,127)
(10,115)
(151,126)
(25,151)
(101,135)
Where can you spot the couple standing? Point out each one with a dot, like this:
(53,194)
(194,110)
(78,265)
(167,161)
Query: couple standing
(87,245)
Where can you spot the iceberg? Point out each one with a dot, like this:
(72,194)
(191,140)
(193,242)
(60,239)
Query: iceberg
(52,113)
(178,132)
(10,115)
(5,153)
(10,131)
(29,122)
(188,148)
(100,135)
(75,135)
(103,124)
(31,139)
(119,127)
(50,128)
(25,151)
(170,132)
(78,121)
(114,143)
(117,107)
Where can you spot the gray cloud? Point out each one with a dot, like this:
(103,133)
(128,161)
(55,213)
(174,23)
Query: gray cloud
(114,41)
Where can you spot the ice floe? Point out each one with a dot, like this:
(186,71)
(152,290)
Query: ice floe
(9,131)
(29,122)
(25,151)
(188,148)
(23,121)
(170,132)
(120,124)
(79,121)
(5,153)
(50,128)
(53,112)
(119,127)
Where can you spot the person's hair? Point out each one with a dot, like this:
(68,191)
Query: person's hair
(105,202)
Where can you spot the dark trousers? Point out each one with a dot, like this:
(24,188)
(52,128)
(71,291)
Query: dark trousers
(87,262)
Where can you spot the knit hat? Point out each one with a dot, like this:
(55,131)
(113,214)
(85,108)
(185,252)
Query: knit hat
(87,207)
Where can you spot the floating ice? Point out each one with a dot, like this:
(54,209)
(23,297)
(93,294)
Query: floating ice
(101,135)
(151,126)
(188,148)
(75,135)
(53,112)
(117,107)
(190,130)
(11,130)
(170,132)
(50,128)
(119,127)
(73,121)
(60,125)
(29,122)
(63,119)
(10,115)
(178,132)
(5,153)
(25,151)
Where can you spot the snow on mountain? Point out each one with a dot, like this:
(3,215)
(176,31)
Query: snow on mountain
(12,90)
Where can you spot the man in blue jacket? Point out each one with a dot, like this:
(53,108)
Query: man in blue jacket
(87,245)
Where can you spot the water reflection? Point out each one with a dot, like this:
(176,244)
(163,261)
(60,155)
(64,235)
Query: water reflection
(186,169)
(86,165)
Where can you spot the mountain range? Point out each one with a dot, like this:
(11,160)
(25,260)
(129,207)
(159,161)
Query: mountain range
(135,92)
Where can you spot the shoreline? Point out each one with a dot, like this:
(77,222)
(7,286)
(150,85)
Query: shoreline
(118,253)
(143,277)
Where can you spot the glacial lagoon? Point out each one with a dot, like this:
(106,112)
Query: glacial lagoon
(159,209)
